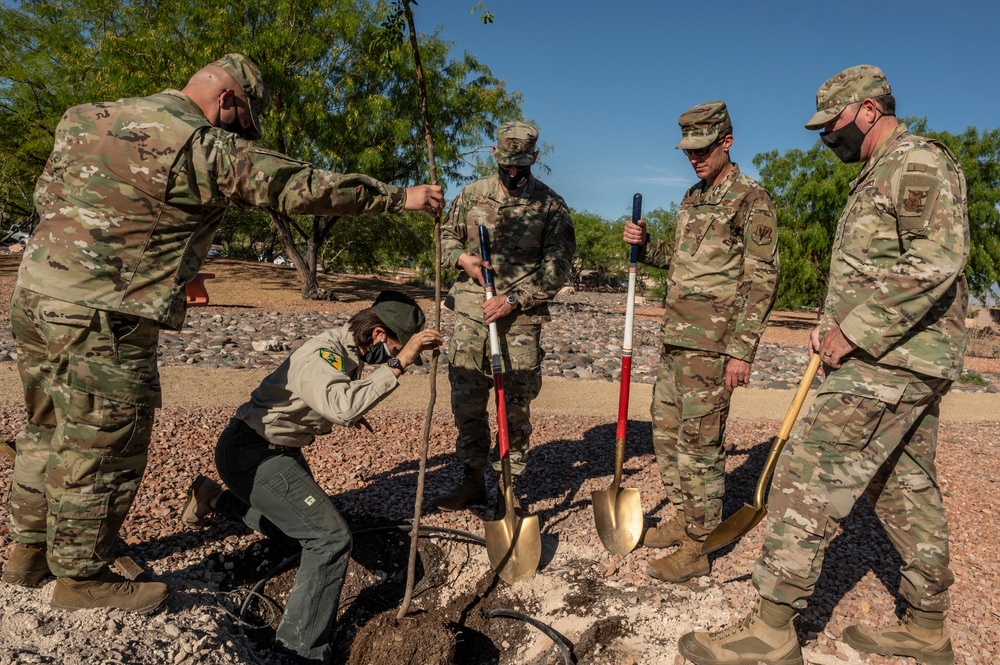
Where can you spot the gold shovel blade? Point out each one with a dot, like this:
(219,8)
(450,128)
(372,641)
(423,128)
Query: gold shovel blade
(735,527)
(514,543)
(618,517)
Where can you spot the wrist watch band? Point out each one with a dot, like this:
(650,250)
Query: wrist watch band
(395,364)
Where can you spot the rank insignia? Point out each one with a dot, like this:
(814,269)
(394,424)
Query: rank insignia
(335,359)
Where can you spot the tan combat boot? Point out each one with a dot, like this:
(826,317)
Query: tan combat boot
(202,495)
(766,635)
(108,590)
(26,565)
(670,533)
(921,635)
(685,562)
(472,492)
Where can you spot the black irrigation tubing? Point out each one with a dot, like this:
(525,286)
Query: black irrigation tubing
(550,632)
(255,592)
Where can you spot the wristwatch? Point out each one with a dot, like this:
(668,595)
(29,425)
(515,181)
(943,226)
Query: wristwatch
(394,363)
(512,299)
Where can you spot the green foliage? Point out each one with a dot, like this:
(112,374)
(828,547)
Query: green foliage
(979,153)
(599,244)
(811,187)
(973,378)
(341,98)
(809,190)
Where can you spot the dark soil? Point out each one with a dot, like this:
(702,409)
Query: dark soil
(368,630)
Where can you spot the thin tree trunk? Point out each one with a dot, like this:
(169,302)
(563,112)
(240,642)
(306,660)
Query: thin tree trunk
(429,138)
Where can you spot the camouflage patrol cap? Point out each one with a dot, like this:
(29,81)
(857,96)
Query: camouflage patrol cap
(840,90)
(247,76)
(400,313)
(703,124)
(515,144)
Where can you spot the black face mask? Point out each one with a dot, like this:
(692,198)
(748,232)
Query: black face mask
(516,181)
(235,126)
(846,142)
(377,354)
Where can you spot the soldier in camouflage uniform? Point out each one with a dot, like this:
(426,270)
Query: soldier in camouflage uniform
(128,203)
(892,340)
(532,242)
(723,276)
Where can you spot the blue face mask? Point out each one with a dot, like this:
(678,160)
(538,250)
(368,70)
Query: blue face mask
(377,354)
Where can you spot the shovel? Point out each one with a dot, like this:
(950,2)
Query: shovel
(513,544)
(617,510)
(747,517)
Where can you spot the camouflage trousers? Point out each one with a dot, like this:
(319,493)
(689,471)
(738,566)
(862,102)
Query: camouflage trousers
(871,430)
(90,387)
(689,411)
(471,374)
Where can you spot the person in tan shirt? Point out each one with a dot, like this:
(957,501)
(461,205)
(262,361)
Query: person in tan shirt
(259,457)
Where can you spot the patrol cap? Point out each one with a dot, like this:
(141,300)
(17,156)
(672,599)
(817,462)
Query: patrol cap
(400,313)
(247,76)
(840,90)
(515,144)
(703,124)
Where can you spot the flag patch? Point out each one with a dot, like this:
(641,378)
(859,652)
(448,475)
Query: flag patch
(335,360)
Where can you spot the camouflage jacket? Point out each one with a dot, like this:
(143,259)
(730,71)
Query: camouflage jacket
(897,284)
(134,191)
(722,267)
(318,386)
(531,241)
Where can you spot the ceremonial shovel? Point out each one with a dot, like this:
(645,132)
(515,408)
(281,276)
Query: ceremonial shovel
(748,516)
(617,510)
(513,544)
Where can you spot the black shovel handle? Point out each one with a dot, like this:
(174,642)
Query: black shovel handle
(484,252)
(636,216)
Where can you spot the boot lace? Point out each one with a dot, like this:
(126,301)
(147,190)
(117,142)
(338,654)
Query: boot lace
(735,629)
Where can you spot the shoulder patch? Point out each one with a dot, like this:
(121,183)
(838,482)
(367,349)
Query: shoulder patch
(762,230)
(915,199)
(335,360)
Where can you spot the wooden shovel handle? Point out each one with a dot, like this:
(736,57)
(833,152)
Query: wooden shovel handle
(785,431)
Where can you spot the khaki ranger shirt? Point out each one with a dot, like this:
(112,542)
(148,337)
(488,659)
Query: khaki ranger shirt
(134,191)
(532,242)
(317,387)
(722,267)
(897,284)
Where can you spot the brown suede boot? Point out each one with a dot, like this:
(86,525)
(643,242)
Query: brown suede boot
(108,590)
(471,492)
(670,533)
(922,635)
(26,565)
(766,635)
(202,495)
(685,562)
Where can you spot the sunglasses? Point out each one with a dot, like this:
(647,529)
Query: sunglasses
(703,152)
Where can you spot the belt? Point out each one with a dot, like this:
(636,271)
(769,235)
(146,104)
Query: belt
(273,447)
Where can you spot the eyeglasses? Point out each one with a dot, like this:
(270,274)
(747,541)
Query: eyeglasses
(703,152)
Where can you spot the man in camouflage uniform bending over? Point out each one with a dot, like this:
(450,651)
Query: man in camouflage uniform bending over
(723,275)
(892,341)
(532,241)
(128,203)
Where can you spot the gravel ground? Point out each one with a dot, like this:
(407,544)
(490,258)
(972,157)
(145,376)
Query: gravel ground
(604,604)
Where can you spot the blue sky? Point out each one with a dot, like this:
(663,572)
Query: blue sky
(606,81)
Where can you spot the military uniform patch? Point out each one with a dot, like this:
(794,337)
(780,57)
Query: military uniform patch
(764,235)
(915,199)
(335,359)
